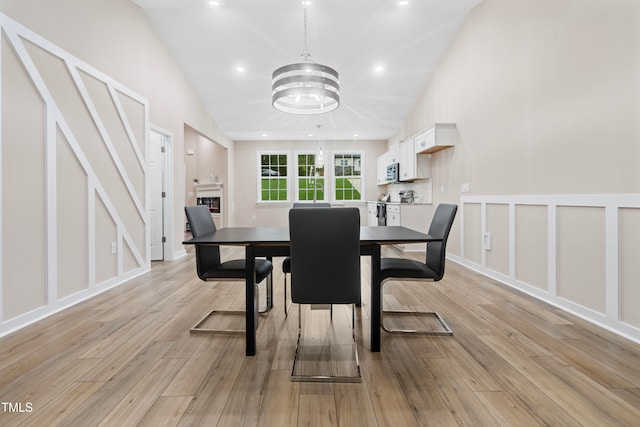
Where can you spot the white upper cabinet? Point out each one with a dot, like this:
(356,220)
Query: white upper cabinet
(381,168)
(413,166)
(394,153)
(436,138)
(414,154)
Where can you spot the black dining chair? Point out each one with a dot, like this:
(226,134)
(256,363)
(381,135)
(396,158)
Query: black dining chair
(286,264)
(402,269)
(325,269)
(210,268)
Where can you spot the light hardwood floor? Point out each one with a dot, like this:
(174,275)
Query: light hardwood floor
(126,358)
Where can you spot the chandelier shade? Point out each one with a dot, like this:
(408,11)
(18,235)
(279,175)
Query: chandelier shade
(305,88)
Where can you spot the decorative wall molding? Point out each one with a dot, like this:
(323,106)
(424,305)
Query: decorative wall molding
(611,203)
(132,255)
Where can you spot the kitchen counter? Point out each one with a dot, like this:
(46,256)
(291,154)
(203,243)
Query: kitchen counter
(400,203)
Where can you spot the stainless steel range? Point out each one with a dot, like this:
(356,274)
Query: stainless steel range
(381,213)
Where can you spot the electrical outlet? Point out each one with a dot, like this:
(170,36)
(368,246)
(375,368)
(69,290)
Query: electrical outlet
(464,188)
(114,247)
(442,189)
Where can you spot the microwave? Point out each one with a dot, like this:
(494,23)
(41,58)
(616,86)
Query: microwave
(393,172)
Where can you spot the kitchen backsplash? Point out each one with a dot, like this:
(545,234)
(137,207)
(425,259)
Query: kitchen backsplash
(423,192)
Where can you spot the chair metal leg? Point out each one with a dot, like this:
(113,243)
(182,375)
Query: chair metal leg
(327,378)
(446,331)
(198,329)
(287,306)
(269,302)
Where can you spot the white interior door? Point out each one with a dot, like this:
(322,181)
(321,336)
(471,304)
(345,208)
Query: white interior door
(156,193)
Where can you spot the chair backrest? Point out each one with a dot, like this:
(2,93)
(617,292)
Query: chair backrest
(201,223)
(312,205)
(440,227)
(325,255)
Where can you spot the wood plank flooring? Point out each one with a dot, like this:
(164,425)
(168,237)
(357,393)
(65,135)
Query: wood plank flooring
(126,358)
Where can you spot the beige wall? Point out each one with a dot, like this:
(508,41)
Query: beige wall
(73,169)
(115,39)
(250,213)
(208,158)
(545,95)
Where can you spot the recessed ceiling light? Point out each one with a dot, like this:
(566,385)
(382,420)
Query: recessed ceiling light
(214,3)
(307,3)
(356,134)
(403,2)
(378,68)
(310,135)
(240,69)
(264,135)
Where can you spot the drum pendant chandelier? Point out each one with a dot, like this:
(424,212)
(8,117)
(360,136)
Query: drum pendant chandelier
(305,87)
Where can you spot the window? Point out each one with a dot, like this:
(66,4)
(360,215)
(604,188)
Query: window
(348,176)
(310,181)
(273,177)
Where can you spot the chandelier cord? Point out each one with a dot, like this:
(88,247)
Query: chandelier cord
(306,56)
(306,87)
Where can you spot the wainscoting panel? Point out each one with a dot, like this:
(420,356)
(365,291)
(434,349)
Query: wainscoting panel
(531,240)
(74,214)
(496,242)
(629,266)
(472,236)
(577,252)
(581,256)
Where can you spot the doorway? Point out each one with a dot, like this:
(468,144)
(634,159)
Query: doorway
(159,153)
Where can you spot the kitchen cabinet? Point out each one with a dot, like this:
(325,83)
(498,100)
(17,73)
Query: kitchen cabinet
(436,138)
(412,165)
(394,153)
(372,214)
(393,215)
(388,158)
(381,168)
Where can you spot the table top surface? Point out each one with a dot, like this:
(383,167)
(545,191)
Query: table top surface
(280,236)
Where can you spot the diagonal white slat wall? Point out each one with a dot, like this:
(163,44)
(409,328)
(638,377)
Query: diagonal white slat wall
(115,197)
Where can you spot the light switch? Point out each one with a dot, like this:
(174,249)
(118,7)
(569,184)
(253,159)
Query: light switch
(487,241)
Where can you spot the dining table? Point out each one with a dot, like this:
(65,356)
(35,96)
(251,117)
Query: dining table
(273,242)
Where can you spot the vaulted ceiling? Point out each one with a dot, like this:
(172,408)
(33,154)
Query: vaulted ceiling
(385,52)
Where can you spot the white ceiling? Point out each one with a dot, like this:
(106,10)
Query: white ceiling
(352,36)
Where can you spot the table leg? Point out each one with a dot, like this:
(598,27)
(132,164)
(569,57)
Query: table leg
(251,303)
(270,287)
(376,298)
